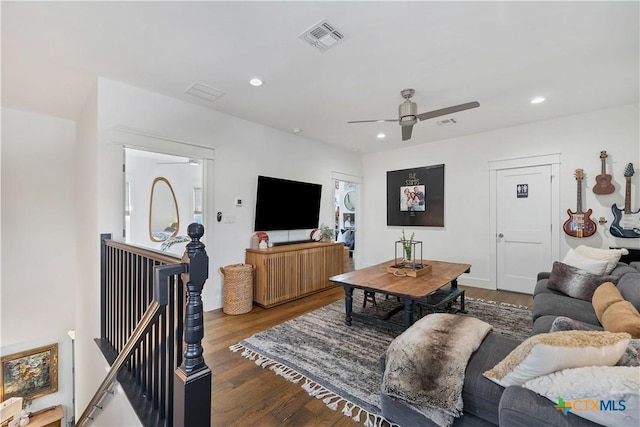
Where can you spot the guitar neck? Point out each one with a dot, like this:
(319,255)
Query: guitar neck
(603,167)
(627,196)
(579,196)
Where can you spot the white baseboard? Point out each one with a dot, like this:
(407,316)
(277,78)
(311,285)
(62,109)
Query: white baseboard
(476,282)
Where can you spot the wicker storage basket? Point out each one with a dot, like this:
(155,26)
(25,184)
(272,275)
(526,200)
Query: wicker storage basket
(237,290)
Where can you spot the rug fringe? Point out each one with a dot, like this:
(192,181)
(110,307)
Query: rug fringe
(329,398)
(505,304)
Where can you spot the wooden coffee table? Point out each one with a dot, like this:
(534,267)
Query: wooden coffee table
(428,289)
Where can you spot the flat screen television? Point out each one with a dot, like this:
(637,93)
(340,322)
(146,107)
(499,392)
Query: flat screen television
(282,204)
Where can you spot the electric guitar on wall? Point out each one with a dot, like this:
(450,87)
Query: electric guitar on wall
(626,223)
(579,223)
(603,181)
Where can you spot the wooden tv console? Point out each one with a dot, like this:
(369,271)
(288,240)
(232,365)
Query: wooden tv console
(284,273)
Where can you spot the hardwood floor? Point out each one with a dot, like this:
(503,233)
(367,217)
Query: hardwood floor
(245,394)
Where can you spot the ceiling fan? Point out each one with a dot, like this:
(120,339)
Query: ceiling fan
(408,113)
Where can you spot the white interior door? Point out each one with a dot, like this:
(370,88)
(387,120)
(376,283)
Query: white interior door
(523,226)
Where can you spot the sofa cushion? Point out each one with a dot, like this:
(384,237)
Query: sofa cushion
(481,397)
(546,353)
(542,288)
(520,407)
(611,256)
(617,385)
(560,305)
(629,287)
(563,323)
(593,266)
(575,282)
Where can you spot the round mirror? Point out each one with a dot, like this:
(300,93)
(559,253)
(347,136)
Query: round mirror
(350,200)
(164,221)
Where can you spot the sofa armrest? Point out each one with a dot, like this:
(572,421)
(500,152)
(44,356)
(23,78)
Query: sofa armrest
(520,407)
(544,275)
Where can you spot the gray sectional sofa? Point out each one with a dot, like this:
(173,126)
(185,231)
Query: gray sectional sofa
(486,403)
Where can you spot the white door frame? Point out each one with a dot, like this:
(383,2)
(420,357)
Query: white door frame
(494,167)
(356,180)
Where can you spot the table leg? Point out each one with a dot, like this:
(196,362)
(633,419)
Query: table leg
(408,312)
(462,310)
(348,304)
(454,283)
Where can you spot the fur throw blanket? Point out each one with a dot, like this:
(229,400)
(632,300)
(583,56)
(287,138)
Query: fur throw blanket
(425,365)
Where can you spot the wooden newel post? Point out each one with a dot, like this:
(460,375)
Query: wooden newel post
(192,380)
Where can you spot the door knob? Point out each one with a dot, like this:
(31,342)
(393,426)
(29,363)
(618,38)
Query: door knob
(501,235)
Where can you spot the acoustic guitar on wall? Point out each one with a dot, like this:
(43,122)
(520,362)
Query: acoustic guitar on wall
(603,181)
(626,223)
(579,223)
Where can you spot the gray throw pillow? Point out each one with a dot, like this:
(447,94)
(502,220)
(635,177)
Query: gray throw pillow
(631,356)
(562,323)
(575,282)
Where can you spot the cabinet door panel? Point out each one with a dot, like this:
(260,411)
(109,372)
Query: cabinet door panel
(312,270)
(281,277)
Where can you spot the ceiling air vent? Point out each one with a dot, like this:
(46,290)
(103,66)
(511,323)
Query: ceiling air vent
(205,92)
(447,122)
(322,36)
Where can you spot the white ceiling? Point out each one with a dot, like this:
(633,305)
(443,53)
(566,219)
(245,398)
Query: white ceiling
(582,56)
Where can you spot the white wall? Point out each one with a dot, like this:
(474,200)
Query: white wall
(39,269)
(465,237)
(242,151)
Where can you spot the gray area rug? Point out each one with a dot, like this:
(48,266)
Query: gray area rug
(340,364)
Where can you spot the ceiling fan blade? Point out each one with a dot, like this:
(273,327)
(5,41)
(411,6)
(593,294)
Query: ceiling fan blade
(448,110)
(406,132)
(373,121)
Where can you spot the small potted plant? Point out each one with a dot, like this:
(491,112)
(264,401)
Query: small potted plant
(326,233)
(407,246)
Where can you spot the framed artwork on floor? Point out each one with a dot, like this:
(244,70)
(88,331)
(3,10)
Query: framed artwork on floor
(29,374)
(415,197)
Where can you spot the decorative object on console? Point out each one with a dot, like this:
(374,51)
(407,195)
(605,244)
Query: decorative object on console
(30,374)
(543,354)
(626,223)
(603,181)
(262,239)
(326,233)
(579,223)
(315,234)
(415,197)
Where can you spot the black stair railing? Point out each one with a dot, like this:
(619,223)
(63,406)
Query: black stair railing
(151,311)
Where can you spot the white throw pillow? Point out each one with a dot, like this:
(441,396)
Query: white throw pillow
(612,256)
(614,389)
(543,354)
(583,262)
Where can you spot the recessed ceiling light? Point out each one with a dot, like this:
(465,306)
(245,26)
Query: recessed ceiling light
(381,135)
(255,82)
(538,100)
(297,130)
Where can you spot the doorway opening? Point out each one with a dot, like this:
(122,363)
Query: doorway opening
(345,196)
(157,219)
